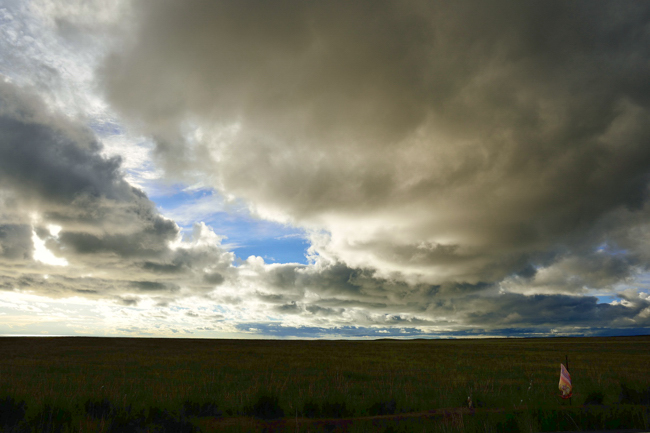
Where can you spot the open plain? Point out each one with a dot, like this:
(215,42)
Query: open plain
(121,384)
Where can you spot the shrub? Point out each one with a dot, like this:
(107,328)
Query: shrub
(157,420)
(165,421)
(267,407)
(594,398)
(509,425)
(335,410)
(127,422)
(197,409)
(632,396)
(52,420)
(100,409)
(311,409)
(383,408)
(12,414)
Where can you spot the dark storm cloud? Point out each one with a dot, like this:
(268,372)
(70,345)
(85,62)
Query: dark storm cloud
(595,270)
(290,308)
(152,286)
(321,311)
(555,310)
(53,175)
(459,142)
(52,166)
(214,278)
(271,298)
(335,295)
(58,172)
(16,241)
(164,268)
(146,244)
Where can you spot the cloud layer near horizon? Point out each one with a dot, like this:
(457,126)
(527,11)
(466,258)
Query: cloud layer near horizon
(457,165)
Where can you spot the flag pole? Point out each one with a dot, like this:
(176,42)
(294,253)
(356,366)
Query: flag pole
(566,360)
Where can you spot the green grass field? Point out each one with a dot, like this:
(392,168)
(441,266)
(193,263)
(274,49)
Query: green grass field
(111,384)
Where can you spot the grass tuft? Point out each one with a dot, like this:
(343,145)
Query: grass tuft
(311,409)
(509,425)
(595,397)
(128,421)
(632,396)
(164,421)
(267,407)
(12,414)
(52,420)
(383,408)
(103,409)
(337,409)
(192,408)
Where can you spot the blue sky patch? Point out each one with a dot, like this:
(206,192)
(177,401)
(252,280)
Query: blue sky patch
(245,234)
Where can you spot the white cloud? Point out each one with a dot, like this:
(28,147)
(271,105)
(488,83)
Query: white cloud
(43,255)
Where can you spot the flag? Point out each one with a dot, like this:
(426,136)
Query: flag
(565,382)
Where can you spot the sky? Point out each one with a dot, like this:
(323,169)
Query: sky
(297,169)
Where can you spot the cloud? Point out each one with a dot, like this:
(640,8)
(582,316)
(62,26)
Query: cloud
(52,167)
(63,203)
(332,295)
(436,143)
(15,241)
(462,168)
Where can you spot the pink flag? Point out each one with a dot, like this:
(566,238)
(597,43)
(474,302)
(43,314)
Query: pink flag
(565,382)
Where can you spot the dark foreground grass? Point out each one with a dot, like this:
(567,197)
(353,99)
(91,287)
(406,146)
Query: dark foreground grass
(158,385)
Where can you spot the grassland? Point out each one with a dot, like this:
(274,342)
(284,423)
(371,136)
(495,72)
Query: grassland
(113,384)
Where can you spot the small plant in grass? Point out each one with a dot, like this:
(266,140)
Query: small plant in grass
(52,420)
(595,397)
(311,409)
(267,407)
(632,396)
(383,408)
(12,414)
(335,410)
(161,420)
(472,402)
(128,421)
(100,409)
(192,408)
(509,425)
